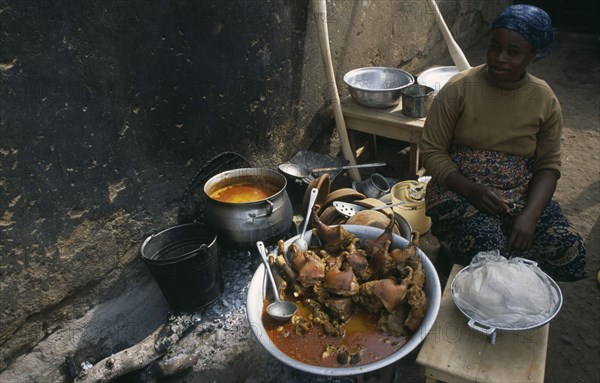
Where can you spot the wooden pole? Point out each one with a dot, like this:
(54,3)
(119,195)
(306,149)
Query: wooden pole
(319,8)
(456,53)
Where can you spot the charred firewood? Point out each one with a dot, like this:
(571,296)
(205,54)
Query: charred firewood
(140,355)
(168,366)
(72,367)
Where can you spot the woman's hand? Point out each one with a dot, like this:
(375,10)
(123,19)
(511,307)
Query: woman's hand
(486,199)
(541,189)
(522,231)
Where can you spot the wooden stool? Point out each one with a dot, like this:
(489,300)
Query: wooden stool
(389,123)
(452,352)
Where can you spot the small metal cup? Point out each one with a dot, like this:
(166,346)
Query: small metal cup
(416,100)
(374,187)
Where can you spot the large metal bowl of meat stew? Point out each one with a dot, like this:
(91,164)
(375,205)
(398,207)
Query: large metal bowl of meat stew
(432,289)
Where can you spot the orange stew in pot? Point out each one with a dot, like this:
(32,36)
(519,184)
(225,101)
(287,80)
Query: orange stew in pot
(243,193)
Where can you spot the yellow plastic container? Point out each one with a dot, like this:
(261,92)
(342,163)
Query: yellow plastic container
(413,210)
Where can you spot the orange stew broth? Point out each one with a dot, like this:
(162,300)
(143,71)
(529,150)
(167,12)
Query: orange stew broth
(361,332)
(243,192)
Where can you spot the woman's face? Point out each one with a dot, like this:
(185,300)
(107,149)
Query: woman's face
(508,55)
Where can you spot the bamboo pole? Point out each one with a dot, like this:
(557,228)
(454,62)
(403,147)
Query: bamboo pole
(456,53)
(319,8)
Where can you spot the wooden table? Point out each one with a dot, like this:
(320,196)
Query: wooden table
(389,123)
(452,352)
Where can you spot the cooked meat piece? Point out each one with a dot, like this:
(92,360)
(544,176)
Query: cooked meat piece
(402,256)
(318,316)
(387,292)
(327,258)
(331,349)
(378,252)
(310,267)
(357,259)
(356,356)
(334,328)
(343,357)
(418,304)
(341,281)
(340,307)
(381,263)
(418,278)
(334,238)
(302,325)
(393,323)
(382,241)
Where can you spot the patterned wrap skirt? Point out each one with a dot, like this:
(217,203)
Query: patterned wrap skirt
(557,248)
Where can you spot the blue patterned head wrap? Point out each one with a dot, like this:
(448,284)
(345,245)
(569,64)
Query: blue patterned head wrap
(532,23)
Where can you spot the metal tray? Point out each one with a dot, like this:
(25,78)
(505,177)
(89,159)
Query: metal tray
(312,160)
(488,328)
(436,77)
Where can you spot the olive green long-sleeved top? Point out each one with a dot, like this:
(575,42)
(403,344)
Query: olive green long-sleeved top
(473,110)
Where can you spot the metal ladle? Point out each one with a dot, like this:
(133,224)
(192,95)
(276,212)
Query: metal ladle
(278,310)
(301,172)
(300,241)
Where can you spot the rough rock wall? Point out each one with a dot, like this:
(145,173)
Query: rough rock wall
(109,108)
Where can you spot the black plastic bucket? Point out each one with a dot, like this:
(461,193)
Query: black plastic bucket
(184,261)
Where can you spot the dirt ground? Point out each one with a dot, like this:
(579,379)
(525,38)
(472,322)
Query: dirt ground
(573,71)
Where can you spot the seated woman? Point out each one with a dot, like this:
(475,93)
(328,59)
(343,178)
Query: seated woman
(491,143)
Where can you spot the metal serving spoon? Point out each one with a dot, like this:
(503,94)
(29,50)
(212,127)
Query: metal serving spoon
(349,209)
(300,241)
(278,310)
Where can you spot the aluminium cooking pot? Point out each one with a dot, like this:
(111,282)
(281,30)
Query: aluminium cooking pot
(489,327)
(241,224)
